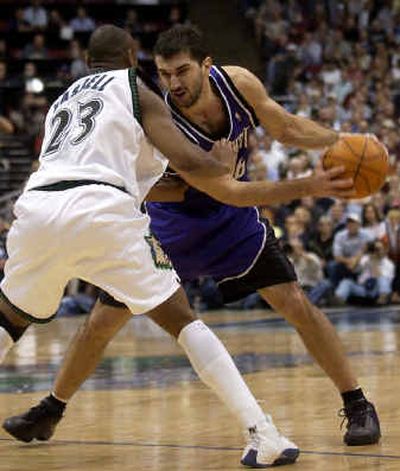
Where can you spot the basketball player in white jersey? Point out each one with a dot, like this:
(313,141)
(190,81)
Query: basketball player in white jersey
(79,217)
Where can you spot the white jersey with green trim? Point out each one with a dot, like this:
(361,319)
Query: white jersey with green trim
(92,132)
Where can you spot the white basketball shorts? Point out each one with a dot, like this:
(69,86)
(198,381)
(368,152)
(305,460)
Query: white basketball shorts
(92,232)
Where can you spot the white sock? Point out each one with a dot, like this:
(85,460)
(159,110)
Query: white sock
(6,342)
(216,369)
(52,393)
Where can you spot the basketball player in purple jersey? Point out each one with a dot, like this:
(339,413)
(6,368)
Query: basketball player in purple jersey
(206,238)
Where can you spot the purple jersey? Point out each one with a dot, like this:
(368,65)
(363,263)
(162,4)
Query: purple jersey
(202,236)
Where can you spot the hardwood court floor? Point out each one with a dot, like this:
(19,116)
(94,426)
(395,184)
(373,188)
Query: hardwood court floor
(145,410)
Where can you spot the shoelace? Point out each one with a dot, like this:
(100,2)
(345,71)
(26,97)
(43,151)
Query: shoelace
(355,415)
(253,438)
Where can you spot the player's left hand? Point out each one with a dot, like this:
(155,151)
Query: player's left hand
(224,152)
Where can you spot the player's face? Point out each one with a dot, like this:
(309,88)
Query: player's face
(183,77)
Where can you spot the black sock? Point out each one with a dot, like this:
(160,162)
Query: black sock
(350,397)
(55,404)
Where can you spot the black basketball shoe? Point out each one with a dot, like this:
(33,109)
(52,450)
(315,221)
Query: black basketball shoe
(39,422)
(362,424)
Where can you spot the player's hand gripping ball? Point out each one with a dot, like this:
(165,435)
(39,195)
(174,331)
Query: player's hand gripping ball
(364,158)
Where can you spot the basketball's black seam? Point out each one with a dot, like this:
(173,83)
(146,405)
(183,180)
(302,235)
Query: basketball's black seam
(361,158)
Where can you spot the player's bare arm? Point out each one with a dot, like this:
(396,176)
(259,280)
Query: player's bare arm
(320,184)
(184,156)
(207,174)
(283,126)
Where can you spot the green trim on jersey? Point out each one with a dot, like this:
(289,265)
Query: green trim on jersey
(160,258)
(135,94)
(24,314)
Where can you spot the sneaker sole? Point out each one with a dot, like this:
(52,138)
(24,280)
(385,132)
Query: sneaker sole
(363,441)
(21,436)
(288,456)
(25,435)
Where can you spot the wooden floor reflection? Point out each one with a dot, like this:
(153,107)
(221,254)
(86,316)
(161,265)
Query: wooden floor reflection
(145,410)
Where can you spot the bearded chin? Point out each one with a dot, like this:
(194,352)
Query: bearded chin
(194,97)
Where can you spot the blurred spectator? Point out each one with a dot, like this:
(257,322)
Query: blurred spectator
(3,50)
(294,229)
(78,64)
(29,116)
(348,248)
(303,106)
(337,215)
(372,222)
(203,294)
(298,167)
(5,79)
(322,242)
(36,49)
(374,282)
(31,81)
(393,195)
(82,23)
(307,264)
(30,71)
(304,217)
(308,268)
(19,24)
(35,15)
(57,24)
(273,155)
(56,21)
(132,23)
(311,51)
(391,240)
(258,169)
(175,16)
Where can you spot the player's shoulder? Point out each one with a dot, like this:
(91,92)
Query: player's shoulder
(238,75)
(245,81)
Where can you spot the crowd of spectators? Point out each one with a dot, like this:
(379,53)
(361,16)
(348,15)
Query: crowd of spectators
(42,47)
(337,62)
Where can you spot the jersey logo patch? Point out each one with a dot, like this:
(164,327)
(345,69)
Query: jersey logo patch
(160,258)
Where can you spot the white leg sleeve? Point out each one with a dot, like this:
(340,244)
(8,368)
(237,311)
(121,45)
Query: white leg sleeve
(6,342)
(215,367)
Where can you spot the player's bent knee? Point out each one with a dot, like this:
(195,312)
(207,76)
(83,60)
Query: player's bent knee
(14,331)
(291,299)
(105,321)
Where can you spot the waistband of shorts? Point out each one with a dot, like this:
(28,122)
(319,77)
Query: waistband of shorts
(68,184)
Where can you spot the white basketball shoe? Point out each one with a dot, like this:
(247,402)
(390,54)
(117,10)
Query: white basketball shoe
(266,447)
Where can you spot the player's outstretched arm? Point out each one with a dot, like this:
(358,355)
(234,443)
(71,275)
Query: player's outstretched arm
(283,126)
(201,170)
(321,184)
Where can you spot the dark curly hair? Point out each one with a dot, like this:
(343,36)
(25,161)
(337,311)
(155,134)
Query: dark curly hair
(181,38)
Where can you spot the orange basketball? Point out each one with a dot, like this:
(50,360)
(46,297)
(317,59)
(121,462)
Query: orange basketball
(365,160)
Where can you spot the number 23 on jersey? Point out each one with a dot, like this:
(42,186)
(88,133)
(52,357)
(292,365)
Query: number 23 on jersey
(72,126)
